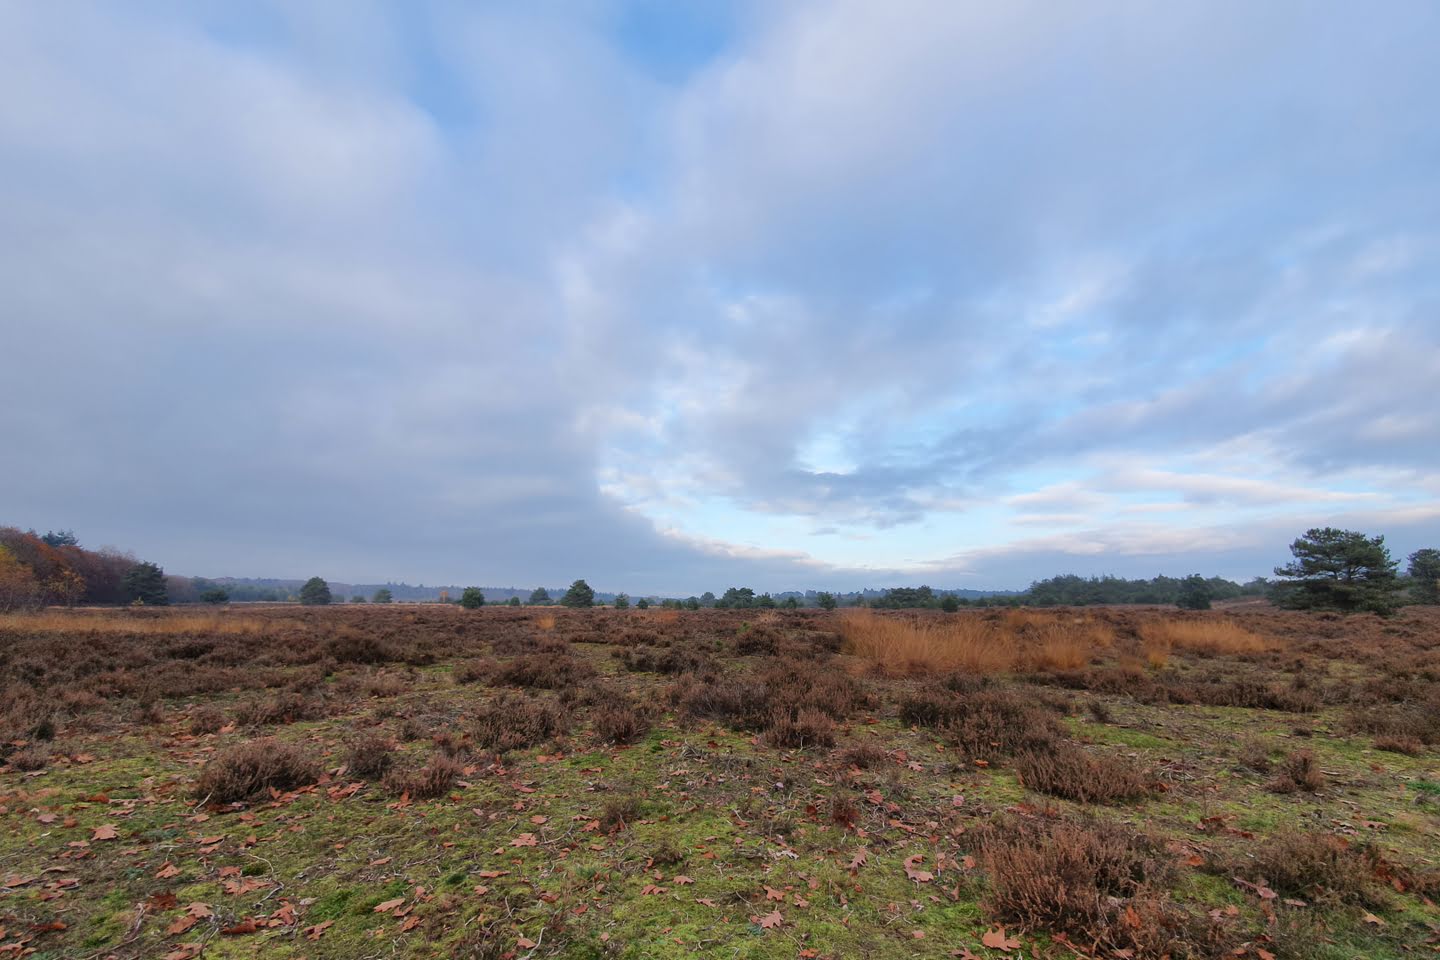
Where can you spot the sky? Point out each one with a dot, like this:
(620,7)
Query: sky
(678,296)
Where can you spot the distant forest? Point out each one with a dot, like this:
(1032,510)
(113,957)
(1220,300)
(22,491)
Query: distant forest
(54,569)
(1334,569)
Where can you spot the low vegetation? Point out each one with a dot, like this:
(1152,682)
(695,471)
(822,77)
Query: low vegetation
(416,781)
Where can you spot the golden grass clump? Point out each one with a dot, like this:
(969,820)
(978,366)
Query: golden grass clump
(901,644)
(1019,640)
(1200,636)
(1062,643)
(127,622)
(546,621)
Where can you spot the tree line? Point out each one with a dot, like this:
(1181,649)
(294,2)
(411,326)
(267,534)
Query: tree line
(1332,569)
(52,568)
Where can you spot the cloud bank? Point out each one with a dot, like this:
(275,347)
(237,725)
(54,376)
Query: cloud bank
(823,294)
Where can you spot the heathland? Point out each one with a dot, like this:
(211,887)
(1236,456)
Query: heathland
(426,781)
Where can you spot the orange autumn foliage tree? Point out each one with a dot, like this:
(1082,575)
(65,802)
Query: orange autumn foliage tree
(18,588)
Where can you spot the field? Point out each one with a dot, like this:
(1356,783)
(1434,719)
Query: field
(423,781)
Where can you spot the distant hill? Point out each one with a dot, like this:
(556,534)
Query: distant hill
(244,589)
(268,588)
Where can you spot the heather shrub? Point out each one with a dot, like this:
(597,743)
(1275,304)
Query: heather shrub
(1299,772)
(280,708)
(542,671)
(1074,773)
(1100,884)
(668,660)
(27,759)
(987,724)
(370,756)
(806,727)
(1417,719)
(515,723)
(351,646)
(737,700)
(434,779)
(1311,865)
(253,769)
(759,639)
(617,719)
(1409,746)
(478,670)
(865,755)
(619,813)
(206,719)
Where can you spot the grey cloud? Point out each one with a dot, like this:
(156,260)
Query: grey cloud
(271,300)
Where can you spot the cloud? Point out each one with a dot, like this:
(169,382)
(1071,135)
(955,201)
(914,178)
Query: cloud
(848,290)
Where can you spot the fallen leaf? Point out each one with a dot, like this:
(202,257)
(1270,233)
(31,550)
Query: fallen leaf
(318,930)
(919,876)
(104,832)
(388,905)
(770,920)
(996,939)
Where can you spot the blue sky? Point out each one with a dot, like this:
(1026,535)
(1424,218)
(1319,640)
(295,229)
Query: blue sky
(672,296)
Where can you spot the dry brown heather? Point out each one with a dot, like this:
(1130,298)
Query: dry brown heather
(422,781)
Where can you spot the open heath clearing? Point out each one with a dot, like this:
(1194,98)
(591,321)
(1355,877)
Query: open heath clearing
(425,781)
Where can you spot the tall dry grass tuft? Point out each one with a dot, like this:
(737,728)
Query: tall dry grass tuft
(902,645)
(1201,636)
(126,622)
(546,621)
(1061,644)
(1021,639)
